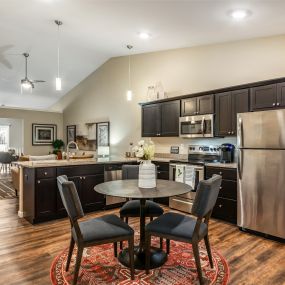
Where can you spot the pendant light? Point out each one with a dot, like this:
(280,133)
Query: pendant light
(129,92)
(58,79)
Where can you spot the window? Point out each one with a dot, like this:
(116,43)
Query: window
(4,138)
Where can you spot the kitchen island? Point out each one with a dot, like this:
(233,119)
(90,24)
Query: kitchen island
(39,199)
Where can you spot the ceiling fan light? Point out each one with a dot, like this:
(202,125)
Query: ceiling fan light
(58,84)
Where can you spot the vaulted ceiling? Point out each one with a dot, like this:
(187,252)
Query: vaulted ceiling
(94,31)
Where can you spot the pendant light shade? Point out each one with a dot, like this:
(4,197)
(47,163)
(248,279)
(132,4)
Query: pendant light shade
(58,86)
(129,92)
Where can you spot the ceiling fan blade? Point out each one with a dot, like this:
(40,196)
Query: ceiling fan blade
(5,62)
(37,81)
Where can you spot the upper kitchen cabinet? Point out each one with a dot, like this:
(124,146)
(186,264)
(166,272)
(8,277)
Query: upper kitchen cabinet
(228,104)
(151,120)
(161,119)
(197,105)
(263,97)
(281,94)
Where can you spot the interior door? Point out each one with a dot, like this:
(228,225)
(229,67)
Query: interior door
(261,195)
(262,129)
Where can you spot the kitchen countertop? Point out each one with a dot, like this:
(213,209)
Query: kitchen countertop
(85,161)
(220,164)
(64,162)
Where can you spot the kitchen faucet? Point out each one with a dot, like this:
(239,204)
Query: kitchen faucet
(67,148)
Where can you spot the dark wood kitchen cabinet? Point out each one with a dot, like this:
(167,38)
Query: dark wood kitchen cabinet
(263,97)
(228,105)
(161,119)
(226,205)
(281,94)
(197,105)
(162,173)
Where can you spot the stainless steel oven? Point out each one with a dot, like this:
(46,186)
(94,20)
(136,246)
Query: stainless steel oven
(196,126)
(185,202)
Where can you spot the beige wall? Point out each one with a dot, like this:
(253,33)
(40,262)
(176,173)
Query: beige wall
(29,117)
(101,96)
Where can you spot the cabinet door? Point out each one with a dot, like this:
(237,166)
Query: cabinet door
(170,113)
(223,120)
(226,210)
(263,97)
(280,94)
(151,120)
(240,104)
(189,107)
(91,199)
(205,104)
(46,198)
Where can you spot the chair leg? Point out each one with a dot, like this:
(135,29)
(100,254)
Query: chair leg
(115,249)
(131,256)
(147,252)
(71,247)
(77,264)
(197,261)
(121,243)
(127,220)
(167,246)
(208,247)
(151,219)
(16,192)
(161,243)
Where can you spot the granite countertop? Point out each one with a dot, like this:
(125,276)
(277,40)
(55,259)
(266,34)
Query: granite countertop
(64,162)
(220,164)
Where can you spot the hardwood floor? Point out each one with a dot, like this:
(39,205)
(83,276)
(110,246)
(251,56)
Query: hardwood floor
(26,251)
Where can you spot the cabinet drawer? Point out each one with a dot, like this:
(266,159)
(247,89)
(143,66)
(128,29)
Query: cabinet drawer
(46,172)
(226,173)
(228,189)
(226,210)
(71,171)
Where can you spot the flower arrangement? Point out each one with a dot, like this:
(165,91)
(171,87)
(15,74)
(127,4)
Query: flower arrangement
(144,150)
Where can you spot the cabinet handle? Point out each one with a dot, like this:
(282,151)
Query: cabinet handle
(233,132)
(45,173)
(84,177)
(229,133)
(39,182)
(220,206)
(80,178)
(273,104)
(221,188)
(220,172)
(158,172)
(278,104)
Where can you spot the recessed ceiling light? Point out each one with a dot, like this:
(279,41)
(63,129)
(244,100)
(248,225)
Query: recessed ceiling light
(239,14)
(144,35)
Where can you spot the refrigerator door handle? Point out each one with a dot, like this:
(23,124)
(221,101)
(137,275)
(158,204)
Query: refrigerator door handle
(240,132)
(240,164)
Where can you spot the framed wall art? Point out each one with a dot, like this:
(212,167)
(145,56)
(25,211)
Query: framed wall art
(70,133)
(43,134)
(103,134)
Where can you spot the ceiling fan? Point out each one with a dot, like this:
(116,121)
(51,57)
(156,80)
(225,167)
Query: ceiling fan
(26,83)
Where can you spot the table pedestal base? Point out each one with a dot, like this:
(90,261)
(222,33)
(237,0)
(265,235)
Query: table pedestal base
(157,257)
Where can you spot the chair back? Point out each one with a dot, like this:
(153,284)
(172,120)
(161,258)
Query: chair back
(206,196)
(70,198)
(5,157)
(130,172)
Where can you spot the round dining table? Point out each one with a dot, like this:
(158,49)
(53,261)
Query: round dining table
(129,189)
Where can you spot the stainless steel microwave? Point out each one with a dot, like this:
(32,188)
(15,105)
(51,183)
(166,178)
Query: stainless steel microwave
(201,126)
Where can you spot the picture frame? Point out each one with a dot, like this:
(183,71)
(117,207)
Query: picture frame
(70,133)
(43,134)
(103,134)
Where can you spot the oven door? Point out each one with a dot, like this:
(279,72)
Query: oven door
(196,126)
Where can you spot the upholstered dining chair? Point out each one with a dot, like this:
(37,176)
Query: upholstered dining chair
(6,159)
(96,231)
(132,208)
(174,226)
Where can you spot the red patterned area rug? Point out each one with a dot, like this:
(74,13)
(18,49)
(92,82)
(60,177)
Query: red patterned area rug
(100,267)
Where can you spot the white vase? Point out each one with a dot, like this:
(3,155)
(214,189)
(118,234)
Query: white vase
(147,174)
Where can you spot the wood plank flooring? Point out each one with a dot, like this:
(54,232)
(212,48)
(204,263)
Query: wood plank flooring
(26,251)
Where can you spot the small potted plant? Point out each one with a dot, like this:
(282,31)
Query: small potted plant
(57,145)
(147,170)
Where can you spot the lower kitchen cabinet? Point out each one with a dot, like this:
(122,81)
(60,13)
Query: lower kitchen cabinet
(42,200)
(226,205)
(162,173)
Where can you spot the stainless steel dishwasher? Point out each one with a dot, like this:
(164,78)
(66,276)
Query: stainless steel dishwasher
(113,172)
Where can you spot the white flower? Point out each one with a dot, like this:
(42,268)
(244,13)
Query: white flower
(135,148)
(141,143)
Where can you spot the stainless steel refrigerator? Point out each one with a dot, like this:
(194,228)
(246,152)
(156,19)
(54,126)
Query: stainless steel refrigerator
(261,172)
